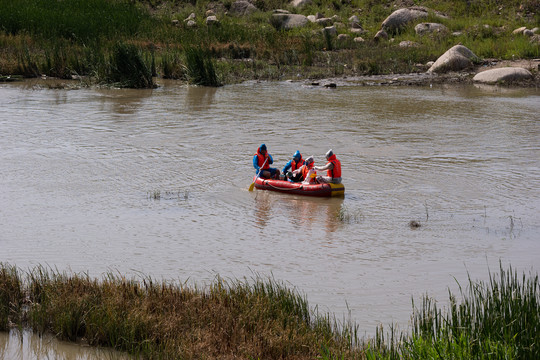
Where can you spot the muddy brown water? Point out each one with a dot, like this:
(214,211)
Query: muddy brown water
(154,182)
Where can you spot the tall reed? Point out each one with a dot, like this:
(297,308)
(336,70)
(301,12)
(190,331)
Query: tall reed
(495,319)
(200,69)
(128,68)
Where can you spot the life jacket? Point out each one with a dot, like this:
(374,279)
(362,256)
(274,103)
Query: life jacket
(261,158)
(296,165)
(305,169)
(335,172)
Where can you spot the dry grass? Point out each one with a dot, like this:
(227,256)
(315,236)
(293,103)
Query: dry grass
(258,319)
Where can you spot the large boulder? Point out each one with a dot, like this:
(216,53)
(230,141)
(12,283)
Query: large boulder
(500,75)
(400,18)
(288,21)
(456,58)
(429,28)
(242,7)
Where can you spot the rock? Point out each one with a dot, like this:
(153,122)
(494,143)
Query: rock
(319,16)
(209,13)
(281,11)
(324,21)
(528,33)
(288,21)
(358,39)
(536,30)
(175,22)
(357,31)
(330,31)
(190,17)
(354,20)
(191,24)
(408,44)
(312,18)
(300,3)
(500,75)
(212,20)
(457,33)
(343,37)
(330,85)
(381,35)
(400,18)
(335,18)
(242,7)
(429,28)
(535,39)
(455,59)
(430,64)
(519,30)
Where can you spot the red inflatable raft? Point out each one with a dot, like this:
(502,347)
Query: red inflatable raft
(319,190)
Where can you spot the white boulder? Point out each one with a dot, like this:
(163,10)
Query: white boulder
(503,75)
(456,58)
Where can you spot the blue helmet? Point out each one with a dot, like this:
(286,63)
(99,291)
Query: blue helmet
(297,155)
(262,147)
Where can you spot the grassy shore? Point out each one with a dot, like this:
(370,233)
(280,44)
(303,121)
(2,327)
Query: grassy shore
(76,38)
(263,319)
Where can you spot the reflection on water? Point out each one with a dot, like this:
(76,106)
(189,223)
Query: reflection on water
(24,345)
(300,212)
(200,98)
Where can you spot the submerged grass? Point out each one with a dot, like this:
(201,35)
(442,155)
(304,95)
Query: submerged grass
(263,319)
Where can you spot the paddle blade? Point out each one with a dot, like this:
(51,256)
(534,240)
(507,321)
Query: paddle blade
(251,186)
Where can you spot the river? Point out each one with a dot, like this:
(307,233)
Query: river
(155,182)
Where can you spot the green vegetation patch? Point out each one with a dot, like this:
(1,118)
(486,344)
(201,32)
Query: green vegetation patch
(78,37)
(79,20)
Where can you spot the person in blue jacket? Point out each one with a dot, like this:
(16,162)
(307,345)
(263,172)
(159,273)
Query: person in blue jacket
(294,164)
(262,161)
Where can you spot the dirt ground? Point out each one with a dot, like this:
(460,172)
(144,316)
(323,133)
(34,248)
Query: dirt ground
(425,79)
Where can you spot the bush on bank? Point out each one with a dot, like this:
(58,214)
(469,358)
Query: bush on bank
(264,319)
(78,37)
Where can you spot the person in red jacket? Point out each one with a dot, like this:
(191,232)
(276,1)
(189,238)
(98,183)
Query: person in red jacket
(333,169)
(261,162)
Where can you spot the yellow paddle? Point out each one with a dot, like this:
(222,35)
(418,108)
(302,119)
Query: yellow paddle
(258,173)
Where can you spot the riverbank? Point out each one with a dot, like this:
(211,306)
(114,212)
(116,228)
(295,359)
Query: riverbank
(214,43)
(261,318)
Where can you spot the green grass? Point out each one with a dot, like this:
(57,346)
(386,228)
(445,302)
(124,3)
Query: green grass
(77,20)
(200,68)
(495,319)
(80,37)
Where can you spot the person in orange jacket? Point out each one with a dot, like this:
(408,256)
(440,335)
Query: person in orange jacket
(302,173)
(262,161)
(333,169)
